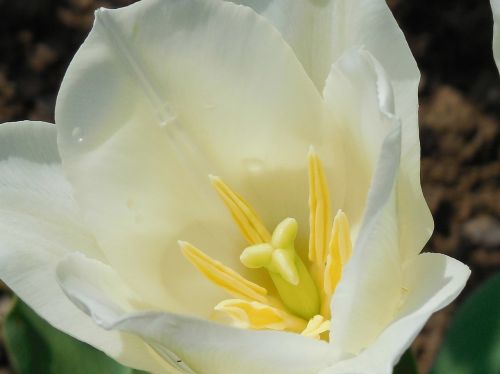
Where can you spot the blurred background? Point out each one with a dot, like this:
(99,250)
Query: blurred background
(459,119)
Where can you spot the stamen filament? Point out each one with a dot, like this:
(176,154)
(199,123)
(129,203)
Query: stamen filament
(339,252)
(316,326)
(223,276)
(255,315)
(319,213)
(304,298)
(245,217)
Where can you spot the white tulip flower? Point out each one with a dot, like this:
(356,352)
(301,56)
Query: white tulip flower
(271,144)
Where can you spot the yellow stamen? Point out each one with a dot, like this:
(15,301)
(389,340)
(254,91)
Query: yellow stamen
(339,252)
(258,316)
(223,276)
(304,305)
(245,217)
(319,212)
(316,326)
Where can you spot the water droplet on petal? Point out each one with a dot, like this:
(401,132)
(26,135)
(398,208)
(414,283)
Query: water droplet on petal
(164,121)
(166,115)
(77,134)
(253,165)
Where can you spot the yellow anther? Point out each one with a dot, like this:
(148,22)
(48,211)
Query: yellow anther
(223,276)
(245,217)
(339,252)
(255,315)
(319,212)
(316,326)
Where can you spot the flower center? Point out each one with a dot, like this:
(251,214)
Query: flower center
(304,291)
(287,271)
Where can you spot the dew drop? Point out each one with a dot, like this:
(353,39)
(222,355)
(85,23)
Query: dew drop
(166,115)
(77,134)
(166,121)
(253,165)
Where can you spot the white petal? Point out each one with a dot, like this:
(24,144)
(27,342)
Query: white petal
(367,296)
(40,223)
(321,31)
(433,281)
(369,24)
(307,28)
(495,7)
(361,104)
(208,348)
(415,220)
(191,345)
(75,266)
(161,94)
(360,107)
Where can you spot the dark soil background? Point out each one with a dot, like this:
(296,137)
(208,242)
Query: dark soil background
(459,117)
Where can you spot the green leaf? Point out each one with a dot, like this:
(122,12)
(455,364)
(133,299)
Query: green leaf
(406,364)
(34,346)
(472,344)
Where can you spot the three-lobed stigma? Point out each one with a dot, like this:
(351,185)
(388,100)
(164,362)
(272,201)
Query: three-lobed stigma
(287,271)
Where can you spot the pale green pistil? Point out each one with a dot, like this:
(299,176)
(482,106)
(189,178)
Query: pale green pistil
(289,274)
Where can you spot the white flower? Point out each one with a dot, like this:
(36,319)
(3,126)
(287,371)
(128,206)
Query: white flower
(163,94)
